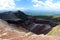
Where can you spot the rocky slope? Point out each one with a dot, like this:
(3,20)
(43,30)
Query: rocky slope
(12,32)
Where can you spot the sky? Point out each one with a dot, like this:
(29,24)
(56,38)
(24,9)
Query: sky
(53,5)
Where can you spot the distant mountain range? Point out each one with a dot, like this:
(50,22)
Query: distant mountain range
(31,12)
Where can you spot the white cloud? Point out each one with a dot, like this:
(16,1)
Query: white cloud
(48,4)
(7,4)
(20,8)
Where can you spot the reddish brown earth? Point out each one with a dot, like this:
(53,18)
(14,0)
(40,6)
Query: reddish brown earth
(8,32)
(42,38)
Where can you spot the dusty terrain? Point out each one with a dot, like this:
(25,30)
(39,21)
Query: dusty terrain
(13,32)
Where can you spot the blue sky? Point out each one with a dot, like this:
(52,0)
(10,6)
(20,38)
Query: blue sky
(53,5)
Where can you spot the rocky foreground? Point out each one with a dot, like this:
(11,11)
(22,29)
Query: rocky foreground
(13,32)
